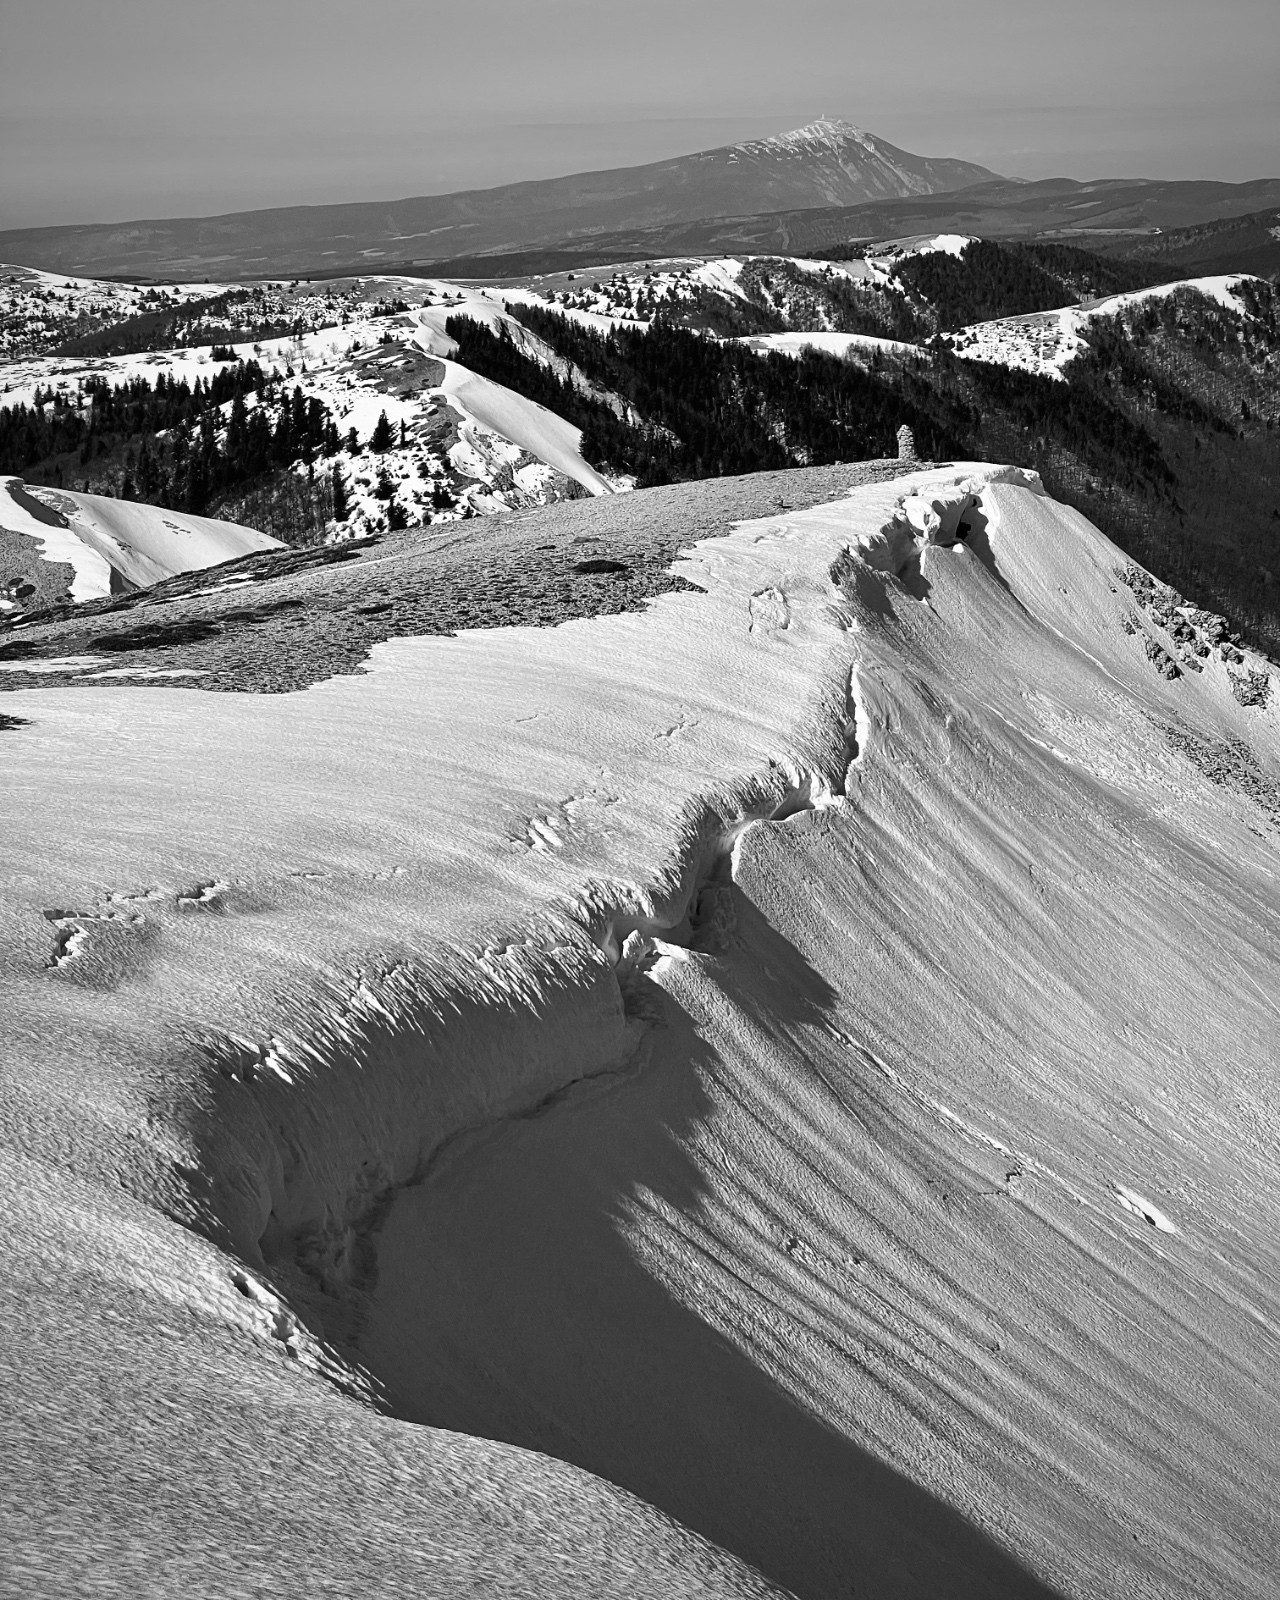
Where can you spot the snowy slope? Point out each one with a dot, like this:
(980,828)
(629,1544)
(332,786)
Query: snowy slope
(833,344)
(116,544)
(502,452)
(804,1053)
(40,310)
(618,293)
(525,423)
(1046,341)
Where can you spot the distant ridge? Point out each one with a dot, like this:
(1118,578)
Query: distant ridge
(825,163)
(1195,227)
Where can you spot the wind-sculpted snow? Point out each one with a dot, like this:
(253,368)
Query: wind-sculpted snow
(803,1054)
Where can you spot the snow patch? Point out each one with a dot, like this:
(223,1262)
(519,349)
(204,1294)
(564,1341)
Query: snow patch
(1132,1201)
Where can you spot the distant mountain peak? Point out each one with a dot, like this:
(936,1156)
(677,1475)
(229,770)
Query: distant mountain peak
(827,162)
(829,133)
(842,164)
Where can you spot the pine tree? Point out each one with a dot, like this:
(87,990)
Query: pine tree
(383,438)
(341,505)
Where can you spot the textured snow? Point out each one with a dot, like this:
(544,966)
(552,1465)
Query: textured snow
(804,1053)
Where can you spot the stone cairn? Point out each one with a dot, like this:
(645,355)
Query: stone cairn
(906,444)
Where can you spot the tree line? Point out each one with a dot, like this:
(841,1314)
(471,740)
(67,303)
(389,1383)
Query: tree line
(169,437)
(693,407)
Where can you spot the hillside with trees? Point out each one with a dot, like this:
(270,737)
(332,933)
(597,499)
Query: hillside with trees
(1163,430)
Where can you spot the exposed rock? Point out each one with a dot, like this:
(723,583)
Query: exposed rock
(1250,688)
(1230,765)
(1161,660)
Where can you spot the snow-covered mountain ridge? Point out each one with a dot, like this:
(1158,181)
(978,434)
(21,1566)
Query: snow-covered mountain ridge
(1048,341)
(365,417)
(802,1052)
(846,165)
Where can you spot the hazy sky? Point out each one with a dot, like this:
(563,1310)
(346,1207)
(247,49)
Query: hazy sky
(114,109)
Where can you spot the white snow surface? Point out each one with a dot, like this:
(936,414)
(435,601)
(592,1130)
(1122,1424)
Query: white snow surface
(101,537)
(524,422)
(806,1053)
(1046,341)
(922,244)
(832,344)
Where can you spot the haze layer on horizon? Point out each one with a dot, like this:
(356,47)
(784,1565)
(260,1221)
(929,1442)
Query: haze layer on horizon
(147,108)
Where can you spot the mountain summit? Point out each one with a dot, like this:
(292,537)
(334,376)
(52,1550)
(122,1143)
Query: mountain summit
(822,164)
(833,162)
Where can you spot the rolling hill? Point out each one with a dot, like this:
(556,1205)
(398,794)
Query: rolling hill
(395,401)
(1120,217)
(58,546)
(825,163)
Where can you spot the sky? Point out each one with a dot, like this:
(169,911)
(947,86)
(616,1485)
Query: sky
(119,109)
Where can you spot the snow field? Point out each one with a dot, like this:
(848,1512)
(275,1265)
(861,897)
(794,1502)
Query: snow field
(530,427)
(832,344)
(107,540)
(868,955)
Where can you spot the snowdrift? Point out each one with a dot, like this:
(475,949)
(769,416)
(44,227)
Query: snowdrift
(113,545)
(804,1054)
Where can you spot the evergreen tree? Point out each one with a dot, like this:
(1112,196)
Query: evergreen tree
(341,505)
(383,438)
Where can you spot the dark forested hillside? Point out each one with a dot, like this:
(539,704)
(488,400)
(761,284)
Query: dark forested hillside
(703,408)
(937,291)
(988,280)
(170,442)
